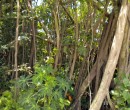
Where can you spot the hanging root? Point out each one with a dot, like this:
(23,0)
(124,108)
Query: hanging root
(110,101)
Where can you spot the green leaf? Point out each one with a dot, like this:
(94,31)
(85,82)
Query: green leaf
(50,60)
(57,94)
(62,84)
(126,82)
(23,81)
(38,78)
(49,69)
(7,94)
(82,50)
(125,94)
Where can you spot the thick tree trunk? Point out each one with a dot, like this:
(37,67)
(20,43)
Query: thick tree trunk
(113,58)
(124,55)
(102,56)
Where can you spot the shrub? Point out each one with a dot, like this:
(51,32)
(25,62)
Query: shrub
(121,94)
(43,90)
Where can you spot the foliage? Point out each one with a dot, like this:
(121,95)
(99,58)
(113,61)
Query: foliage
(3,78)
(121,94)
(7,102)
(80,25)
(39,91)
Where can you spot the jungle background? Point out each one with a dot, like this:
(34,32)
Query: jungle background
(64,55)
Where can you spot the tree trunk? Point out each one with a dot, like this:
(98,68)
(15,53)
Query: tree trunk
(113,58)
(57,29)
(16,47)
(102,55)
(33,39)
(124,55)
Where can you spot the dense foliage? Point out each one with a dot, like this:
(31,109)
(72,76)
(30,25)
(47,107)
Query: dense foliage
(43,90)
(53,54)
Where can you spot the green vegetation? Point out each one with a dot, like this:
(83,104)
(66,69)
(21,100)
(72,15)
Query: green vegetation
(121,94)
(55,55)
(42,90)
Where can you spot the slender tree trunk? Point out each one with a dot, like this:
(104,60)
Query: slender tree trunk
(57,27)
(33,39)
(113,58)
(16,46)
(76,39)
(1,8)
(33,45)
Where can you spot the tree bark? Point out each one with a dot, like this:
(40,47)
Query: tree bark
(33,39)
(16,46)
(102,55)
(57,29)
(113,58)
(75,48)
(124,55)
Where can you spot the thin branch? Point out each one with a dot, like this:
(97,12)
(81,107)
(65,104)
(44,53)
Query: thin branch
(67,12)
(44,28)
